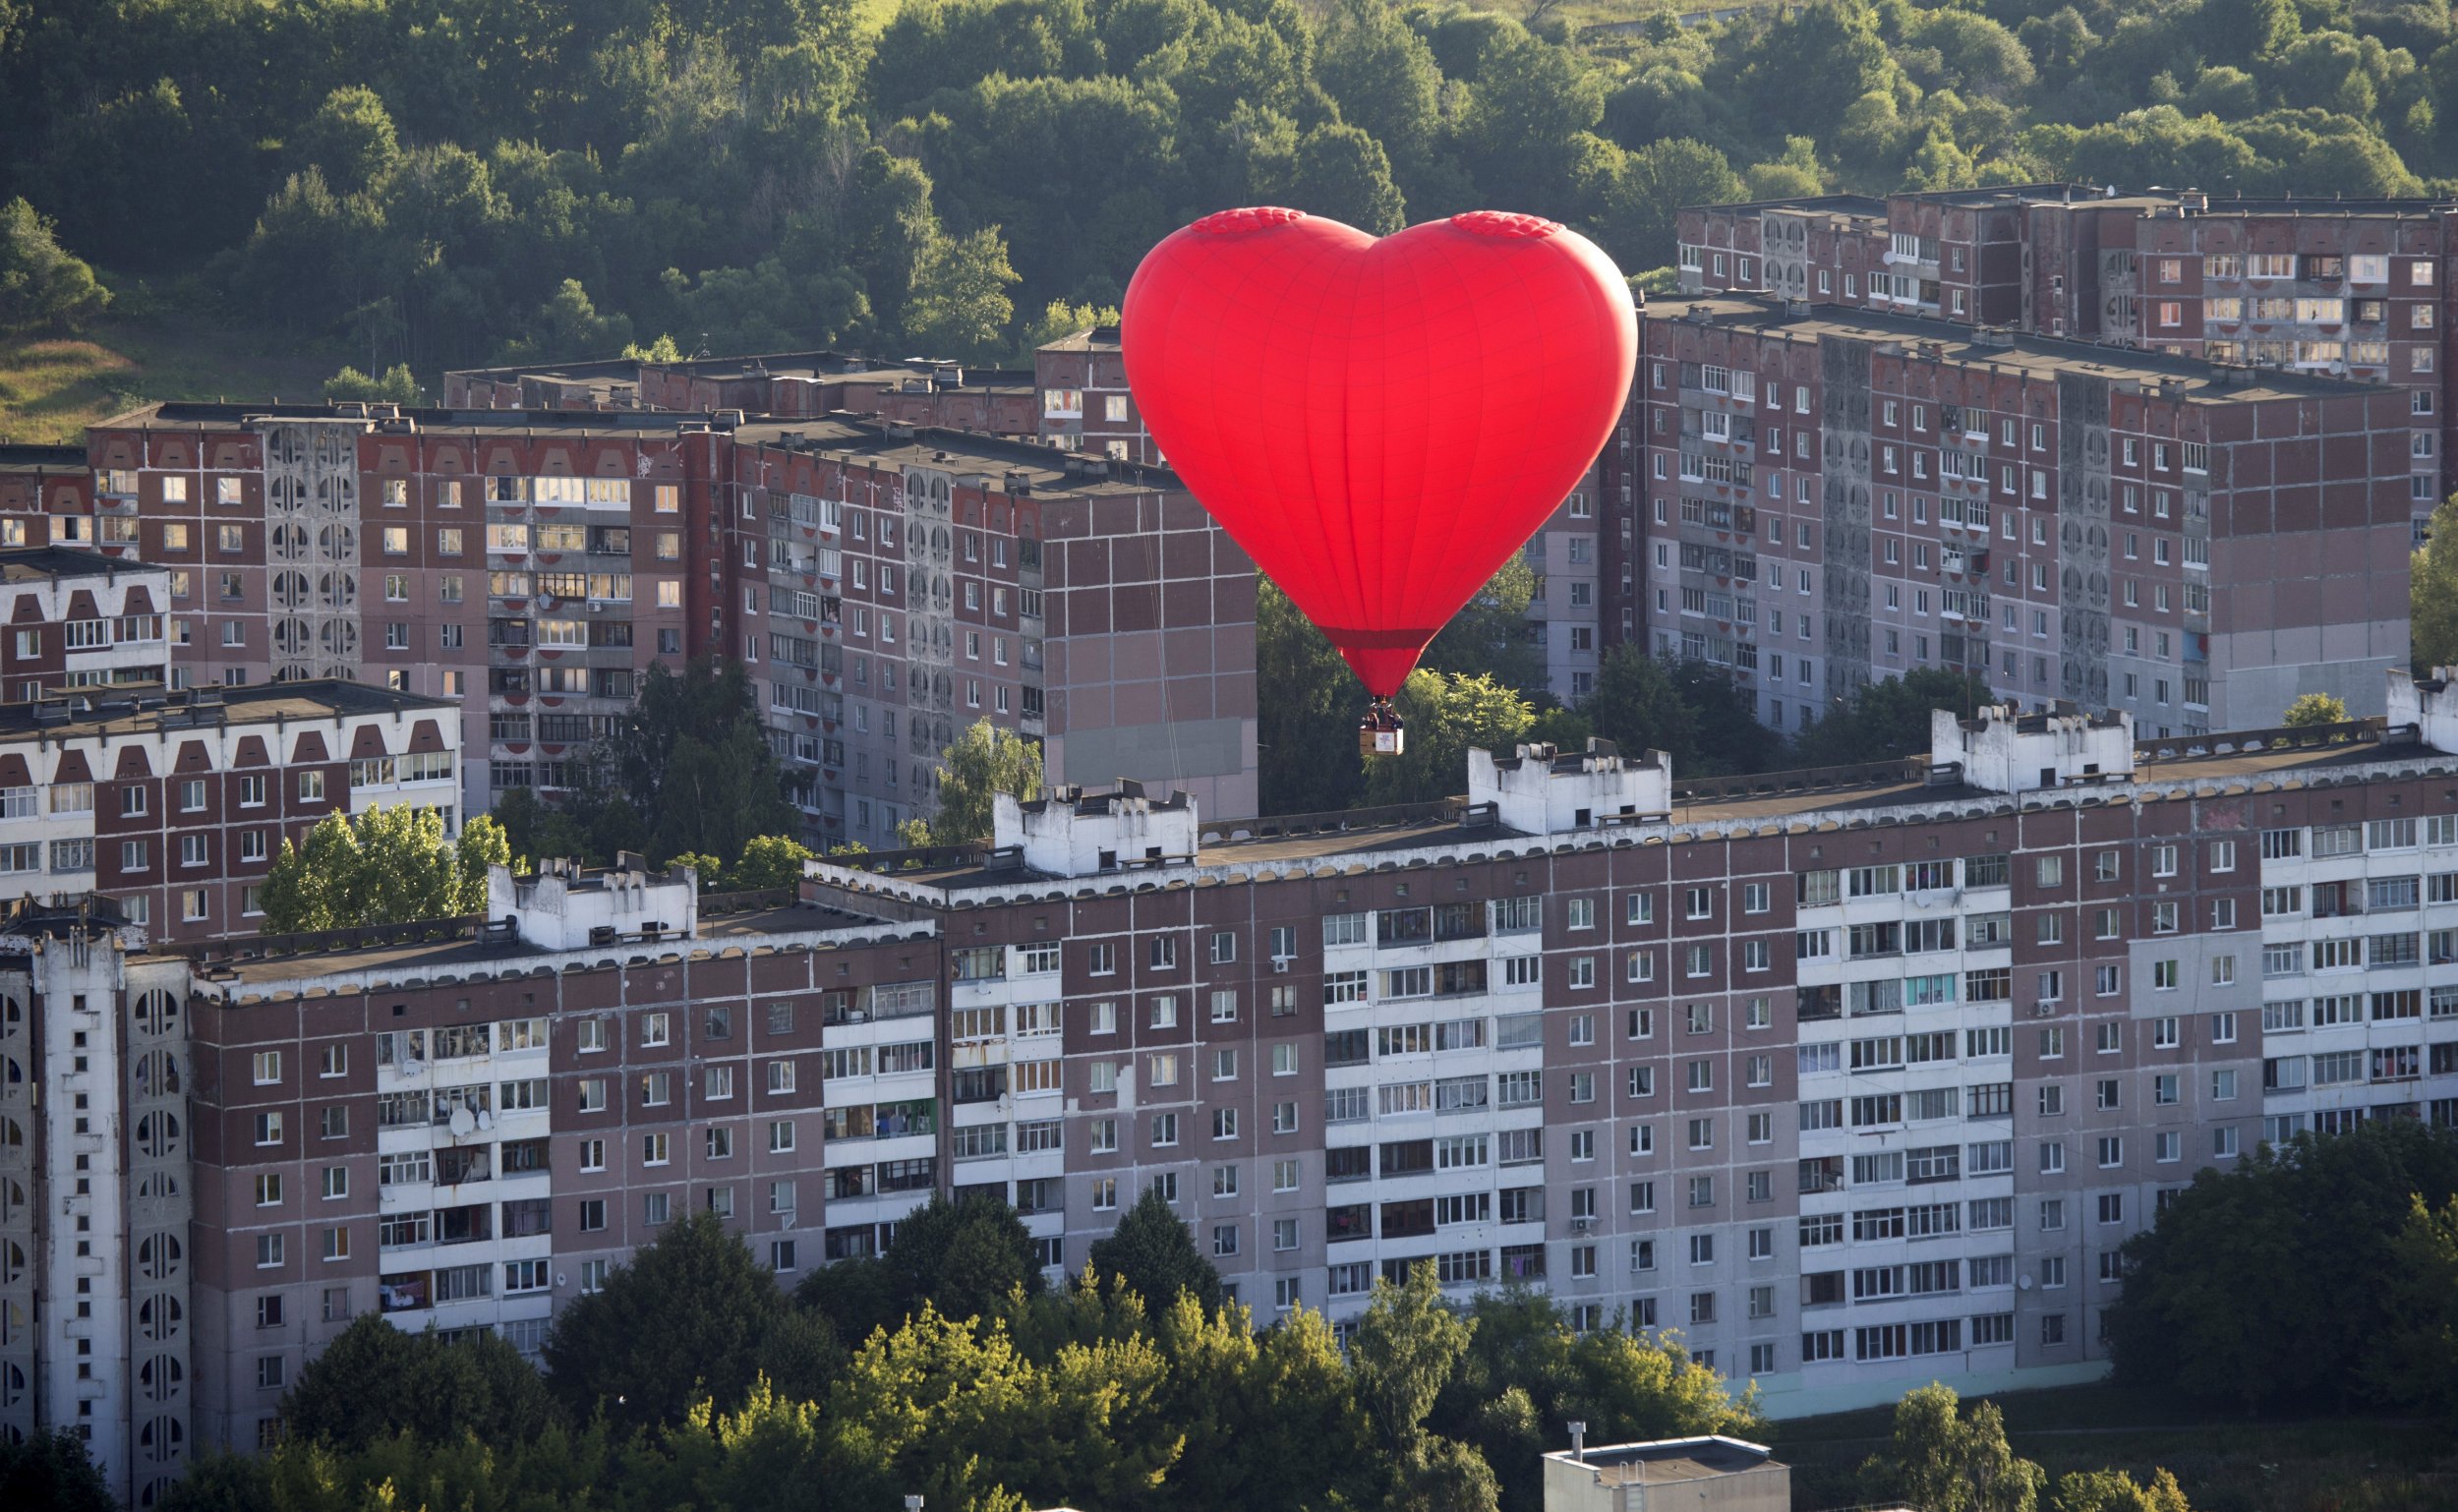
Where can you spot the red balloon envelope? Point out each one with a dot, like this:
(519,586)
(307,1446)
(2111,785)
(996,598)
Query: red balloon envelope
(1380,423)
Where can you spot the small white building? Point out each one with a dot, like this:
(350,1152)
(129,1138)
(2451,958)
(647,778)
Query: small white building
(1711,1473)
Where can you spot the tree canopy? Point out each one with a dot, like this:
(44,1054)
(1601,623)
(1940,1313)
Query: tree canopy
(385,867)
(2252,1238)
(984,761)
(448,181)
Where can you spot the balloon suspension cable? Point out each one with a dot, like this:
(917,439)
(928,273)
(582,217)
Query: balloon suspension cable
(1380,733)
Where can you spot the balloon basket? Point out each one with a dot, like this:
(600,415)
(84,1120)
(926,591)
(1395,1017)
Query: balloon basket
(1380,733)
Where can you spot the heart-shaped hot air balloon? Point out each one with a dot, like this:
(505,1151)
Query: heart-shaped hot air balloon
(1378,423)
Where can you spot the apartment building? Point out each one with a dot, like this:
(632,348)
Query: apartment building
(2354,288)
(1076,399)
(38,484)
(77,619)
(933,578)
(535,565)
(1857,1085)
(1836,496)
(175,804)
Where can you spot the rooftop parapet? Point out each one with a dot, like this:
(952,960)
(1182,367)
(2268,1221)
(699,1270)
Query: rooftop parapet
(2002,751)
(564,907)
(1073,832)
(1541,790)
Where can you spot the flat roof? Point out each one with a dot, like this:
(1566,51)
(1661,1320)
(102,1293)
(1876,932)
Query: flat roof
(2289,205)
(1045,469)
(191,415)
(2042,356)
(44,563)
(438,955)
(111,712)
(1673,1459)
(20,458)
(1848,794)
(1096,338)
(1833,204)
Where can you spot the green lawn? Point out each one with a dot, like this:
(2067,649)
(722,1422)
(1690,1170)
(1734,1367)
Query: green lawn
(51,389)
(2225,1463)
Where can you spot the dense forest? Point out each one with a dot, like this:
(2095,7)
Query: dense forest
(455,181)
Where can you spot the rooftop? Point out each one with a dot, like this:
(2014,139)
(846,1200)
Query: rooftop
(1042,470)
(1098,338)
(1833,204)
(470,946)
(1847,797)
(16,458)
(99,712)
(2043,357)
(1671,1459)
(191,415)
(44,563)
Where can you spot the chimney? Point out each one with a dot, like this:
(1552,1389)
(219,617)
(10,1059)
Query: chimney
(1578,1440)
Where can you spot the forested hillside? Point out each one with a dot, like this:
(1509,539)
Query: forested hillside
(454,181)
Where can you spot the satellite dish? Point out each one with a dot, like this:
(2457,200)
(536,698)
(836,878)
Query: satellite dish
(486,1120)
(2023,1284)
(462,1124)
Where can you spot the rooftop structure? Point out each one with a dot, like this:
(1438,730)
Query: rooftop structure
(1669,1475)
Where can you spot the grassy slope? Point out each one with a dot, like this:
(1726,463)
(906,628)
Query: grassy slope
(51,389)
(2225,1463)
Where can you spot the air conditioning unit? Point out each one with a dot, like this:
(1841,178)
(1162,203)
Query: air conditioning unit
(1581,1225)
(2043,1008)
(1280,964)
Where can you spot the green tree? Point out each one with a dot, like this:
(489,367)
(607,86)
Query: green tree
(984,761)
(964,1256)
(2433,591)
(2113,1491)
(1152,1255)
(2415,1364)
(769,862)
(394,387)
(1490,636)
(959,306)
(1307,707)
(350,140)
(691,1317)
(385,867)
(1526,1370)
(41,286)
(1653,182)
(374,1380)
(1403,1354)
(1941,1461)
(49,1468)
(692,754)
(1636,705)
(2252,1237)
(1446,715)
(534,831)
(1341,172)
(2316,708)
(1888,719)
(708,872)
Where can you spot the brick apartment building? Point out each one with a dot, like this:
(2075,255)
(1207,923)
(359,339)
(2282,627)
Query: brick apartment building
(533,566)
(79,620)
(1837,494)
(175,804)
(40,484)
(1857,1085)
(1076,399)
(2353,288)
